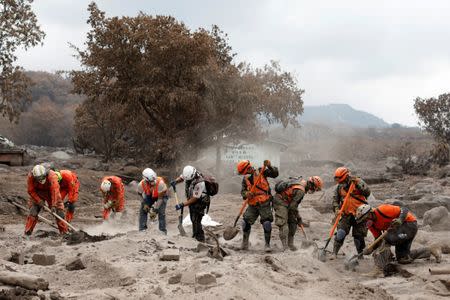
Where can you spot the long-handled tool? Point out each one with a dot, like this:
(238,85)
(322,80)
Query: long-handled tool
(59,218)
(351,263)
(322,252)
(306,242)
(180,217)
(42,219)
(231,232)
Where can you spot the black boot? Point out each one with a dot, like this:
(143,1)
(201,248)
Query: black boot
(245,238)
(267,235)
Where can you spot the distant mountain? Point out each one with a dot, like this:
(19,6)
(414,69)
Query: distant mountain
(342,114)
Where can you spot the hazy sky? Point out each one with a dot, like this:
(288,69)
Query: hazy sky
(374,55)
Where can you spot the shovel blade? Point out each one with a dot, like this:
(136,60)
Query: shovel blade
(180,226)
(230,233)
(322,255)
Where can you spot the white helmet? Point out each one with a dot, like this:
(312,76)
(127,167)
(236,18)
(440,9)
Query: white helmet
(39,173)
(189,172)
(362,211)
(105,186)
(149,175)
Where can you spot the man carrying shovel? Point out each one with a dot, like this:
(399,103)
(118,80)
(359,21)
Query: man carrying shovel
(289,194)
(43,187)
(259,199)
(355,191)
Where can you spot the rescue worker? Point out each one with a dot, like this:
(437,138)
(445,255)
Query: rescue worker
(259,200)
(154,194)
(68,186)
(113,195)
(289,195)
(401,225)
(197,199)
(347,221)
(43,187)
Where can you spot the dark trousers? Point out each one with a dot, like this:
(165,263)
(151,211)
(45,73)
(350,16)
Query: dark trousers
(402,238)
(196,213)
(143,215)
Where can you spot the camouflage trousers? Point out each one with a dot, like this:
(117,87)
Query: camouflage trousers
(286,215)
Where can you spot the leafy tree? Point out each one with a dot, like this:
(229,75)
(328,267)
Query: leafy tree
(180,87)
(434,116)
(18,28)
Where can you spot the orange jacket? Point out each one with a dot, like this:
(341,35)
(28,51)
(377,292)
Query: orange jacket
(49,191)
(261,191)
(151,190)
(116,194)
(69,185)
(385,214)
(354,201)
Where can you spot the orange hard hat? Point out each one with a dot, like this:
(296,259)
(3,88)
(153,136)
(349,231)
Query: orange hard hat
(317,181)
(341,174)
(243,166)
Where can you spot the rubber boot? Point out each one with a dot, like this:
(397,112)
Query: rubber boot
(245,238)
(267,235)
(291,243)
(283,237)
(336,247)
(405,260)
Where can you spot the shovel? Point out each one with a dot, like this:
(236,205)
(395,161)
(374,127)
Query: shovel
(231,232)
(322,252)
(59,218)
(180,217)
(42,219)
(353,261)
(306,242)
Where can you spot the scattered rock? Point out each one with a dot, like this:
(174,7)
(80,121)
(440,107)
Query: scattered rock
(428,202)
(75,264)
(205,278)
(188,278)
(44,260)
(17,258)
(61,155)
(393,165)
(55,296)
(170,255)
(202,247)
(435,215)
(163,270)
(127,281)
(158,291)
(175,279)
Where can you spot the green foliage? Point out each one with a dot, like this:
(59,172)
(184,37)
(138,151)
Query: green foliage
(434,116)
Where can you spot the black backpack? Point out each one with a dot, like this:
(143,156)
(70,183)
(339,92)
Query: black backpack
(211,184)
(283,185)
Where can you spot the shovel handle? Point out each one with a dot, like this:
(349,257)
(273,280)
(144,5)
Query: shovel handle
(244,204)
(303,231)
(59,218)
(338,217)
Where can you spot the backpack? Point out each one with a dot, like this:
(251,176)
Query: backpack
(283,185)
(212,186)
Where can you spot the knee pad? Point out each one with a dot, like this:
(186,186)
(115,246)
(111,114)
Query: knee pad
(267,225)
(340,235)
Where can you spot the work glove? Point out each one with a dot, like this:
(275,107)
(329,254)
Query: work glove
(396,222)
(267,163)
(53,209)
(66,204)
(173,183)
(40,203)
(146,208)
(249,195)
(179,206)
(153,214)
(367,251)
(108,205)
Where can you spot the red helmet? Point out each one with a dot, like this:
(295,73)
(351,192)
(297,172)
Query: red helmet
(317,181)
(341,174)
(243,166)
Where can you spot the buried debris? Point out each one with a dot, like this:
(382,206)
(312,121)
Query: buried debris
(44,260)
(216,251)
(79,237)
(273,263)
(75,264)
(170,255)
(26,281)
